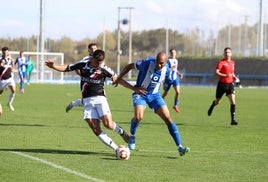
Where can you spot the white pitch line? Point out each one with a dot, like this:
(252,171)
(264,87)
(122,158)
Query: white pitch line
(58,167)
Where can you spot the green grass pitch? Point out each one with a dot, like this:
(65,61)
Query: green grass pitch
(40,142)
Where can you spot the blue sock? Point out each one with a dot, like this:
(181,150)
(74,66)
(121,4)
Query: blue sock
(174,132)
(176,102)
(133,126)
(21,84)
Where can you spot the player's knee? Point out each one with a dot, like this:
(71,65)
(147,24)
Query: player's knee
(138,118)
(109,126)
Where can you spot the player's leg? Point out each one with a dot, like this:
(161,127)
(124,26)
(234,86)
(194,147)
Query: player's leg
(28,77)
(1,91)
(12,87)
(1,110)
(94,124)
(139,108)
(220,90)
(91,117)
(22,82)
(163,112)
(166,88)
(106,117)
(176,96)
(73,103)
(231,96)
(134,124)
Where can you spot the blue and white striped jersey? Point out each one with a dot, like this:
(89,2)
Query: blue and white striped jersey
(148,77)
(173,66)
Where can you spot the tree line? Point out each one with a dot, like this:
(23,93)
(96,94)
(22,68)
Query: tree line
(194,43)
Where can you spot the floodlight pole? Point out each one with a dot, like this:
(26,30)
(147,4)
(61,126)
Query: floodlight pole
(260,31)
(41,40)
(130,41)
(118,42)
(119,51)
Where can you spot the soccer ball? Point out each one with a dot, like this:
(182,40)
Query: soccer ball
(122,152)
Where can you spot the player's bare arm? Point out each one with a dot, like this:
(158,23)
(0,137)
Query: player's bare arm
(223,75)
(123,73)
(51,64)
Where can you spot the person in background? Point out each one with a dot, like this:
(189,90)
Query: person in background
(152,72)
(225,70)
(173,79)
(91,48)
(22,62)
(29,69)
(6,77)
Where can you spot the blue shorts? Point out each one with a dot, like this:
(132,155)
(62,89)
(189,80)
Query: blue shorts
(22,74)
(154,101)
(168,83)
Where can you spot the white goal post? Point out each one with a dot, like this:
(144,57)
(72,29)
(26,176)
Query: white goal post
(41,73)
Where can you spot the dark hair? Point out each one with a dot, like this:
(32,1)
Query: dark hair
(226,48)
(91,44)
(170,50)
(4,49)
(99,55)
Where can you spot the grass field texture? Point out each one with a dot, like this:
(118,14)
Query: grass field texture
(40,142)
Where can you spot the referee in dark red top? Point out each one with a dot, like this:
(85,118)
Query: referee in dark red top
(225,71)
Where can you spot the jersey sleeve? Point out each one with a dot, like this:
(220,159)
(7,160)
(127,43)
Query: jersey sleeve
(219,65)
(138,64)
(76,66)
(108,71)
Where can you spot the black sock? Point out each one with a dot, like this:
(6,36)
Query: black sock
(232,110)
(212,105)
(211,108)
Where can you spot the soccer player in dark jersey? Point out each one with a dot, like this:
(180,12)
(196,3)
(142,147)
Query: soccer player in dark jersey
(78,102)
(96,107)
(225,69)
(6,77)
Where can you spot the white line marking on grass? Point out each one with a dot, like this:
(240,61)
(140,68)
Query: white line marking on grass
(57,166)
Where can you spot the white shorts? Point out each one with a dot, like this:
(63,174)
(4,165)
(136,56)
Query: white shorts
(95,107)
(6,83)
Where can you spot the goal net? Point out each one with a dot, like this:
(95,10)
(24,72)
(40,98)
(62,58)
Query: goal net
(43,74)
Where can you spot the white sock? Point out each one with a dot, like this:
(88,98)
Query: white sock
(107,140)
(11,97)
(77,102)
(118,129)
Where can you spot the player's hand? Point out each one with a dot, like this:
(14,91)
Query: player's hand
(116,81)
(140,90)
(49,63)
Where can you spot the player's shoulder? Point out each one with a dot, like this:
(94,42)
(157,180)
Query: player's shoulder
(107,68)
(86,58)
(147,60)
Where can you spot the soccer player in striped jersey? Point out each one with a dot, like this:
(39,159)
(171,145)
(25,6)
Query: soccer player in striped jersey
(173,79)
(6,77)
(96,107)
(91,48)
(152,72)
(22,63)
